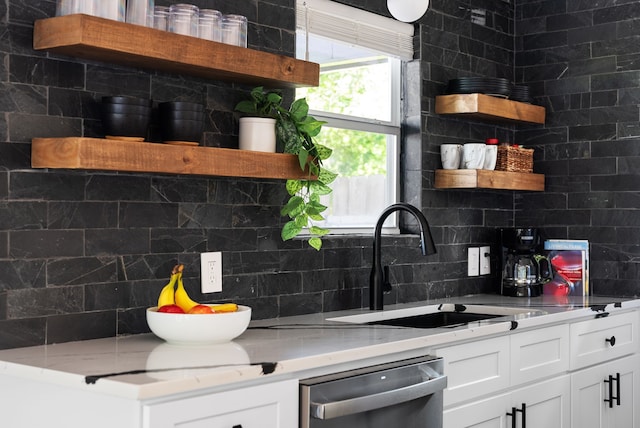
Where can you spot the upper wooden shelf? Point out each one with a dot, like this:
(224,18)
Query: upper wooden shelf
(485,179)
(121,155)
(491,108)
(90,37)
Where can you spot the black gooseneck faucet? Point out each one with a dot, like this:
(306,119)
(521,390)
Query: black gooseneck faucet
(380,277)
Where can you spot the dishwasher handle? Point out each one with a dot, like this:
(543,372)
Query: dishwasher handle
(376,401)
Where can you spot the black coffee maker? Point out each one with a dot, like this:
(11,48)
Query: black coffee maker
(524,268)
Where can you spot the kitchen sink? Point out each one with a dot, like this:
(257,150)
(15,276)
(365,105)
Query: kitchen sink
(446,315)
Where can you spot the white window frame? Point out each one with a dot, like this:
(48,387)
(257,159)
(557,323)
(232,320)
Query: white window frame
(343,23)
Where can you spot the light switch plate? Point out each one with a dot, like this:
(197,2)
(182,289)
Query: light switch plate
(485,260)
(473,261)
(211,272)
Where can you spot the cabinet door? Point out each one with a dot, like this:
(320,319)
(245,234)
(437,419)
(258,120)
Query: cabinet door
(272,405)
(589,392)
(475,369)
(488,413)
(548,404)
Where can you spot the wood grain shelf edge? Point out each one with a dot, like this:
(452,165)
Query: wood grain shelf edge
(127,156)
(485,179)
(95,38)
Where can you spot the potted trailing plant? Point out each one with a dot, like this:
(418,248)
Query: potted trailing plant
(295,132)
(257,128)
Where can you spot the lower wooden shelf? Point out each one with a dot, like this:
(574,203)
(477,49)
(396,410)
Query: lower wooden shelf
(485,179)
(121,155)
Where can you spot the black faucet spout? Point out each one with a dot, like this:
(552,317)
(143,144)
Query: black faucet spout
(378,278)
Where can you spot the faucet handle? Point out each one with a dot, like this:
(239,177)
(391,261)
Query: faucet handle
(386,285)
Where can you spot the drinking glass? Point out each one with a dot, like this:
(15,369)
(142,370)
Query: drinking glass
(139,12)
(183,19)
(234,30)
(69,7)
(110,9)
(210,25)
(161,18)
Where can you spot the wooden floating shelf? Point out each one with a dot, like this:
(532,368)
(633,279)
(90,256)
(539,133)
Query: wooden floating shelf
(485,179)
(491,108)
(122,155)
(90,37)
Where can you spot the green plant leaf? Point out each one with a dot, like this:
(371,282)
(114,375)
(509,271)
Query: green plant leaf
(318,231)
(299,109)
(247,107)
(326,176)
(315,243)
(324,152)
(293,186)
(290,230)
(303,158)
(320,188)
(294,207)
(301,220)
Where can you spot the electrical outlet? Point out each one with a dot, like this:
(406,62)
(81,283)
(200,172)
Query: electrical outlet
(485,260)
(211,272)
(473,261)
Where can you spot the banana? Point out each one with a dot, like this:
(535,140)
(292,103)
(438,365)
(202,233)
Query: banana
(166,296)
(225,307)
(182,298)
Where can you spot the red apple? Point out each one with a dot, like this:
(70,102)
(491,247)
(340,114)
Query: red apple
(172,309)
(201,309)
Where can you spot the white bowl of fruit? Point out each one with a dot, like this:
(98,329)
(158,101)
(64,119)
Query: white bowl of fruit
(181,321)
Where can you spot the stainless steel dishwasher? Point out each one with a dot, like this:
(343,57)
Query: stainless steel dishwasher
(405,393)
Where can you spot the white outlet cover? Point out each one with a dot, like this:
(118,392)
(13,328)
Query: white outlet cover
(473,261)
(211,272)
(485,260)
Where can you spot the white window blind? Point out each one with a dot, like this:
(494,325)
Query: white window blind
(351,25)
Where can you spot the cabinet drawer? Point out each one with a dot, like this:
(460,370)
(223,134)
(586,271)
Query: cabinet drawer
(273,405)
(475,369)
(538,354)
(603,339)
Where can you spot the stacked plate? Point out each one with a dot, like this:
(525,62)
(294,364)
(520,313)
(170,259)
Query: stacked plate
(480,85)
(520,93)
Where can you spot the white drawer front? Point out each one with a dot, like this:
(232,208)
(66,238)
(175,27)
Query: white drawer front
(475,369)
(592,341)
(272,405)
(538,354)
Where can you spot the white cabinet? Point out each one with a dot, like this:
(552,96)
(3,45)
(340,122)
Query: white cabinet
(544,404)
(273,405)
(607,395)
(601,339)
(475,369)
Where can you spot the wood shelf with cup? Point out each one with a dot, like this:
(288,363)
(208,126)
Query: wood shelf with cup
(94,38)
(486,179)
(132,156)
(487,107)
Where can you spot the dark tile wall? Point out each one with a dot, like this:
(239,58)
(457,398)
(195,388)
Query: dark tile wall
(581,59)
(82,254)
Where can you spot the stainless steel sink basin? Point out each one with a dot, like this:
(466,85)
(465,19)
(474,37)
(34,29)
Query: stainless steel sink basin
(447,315)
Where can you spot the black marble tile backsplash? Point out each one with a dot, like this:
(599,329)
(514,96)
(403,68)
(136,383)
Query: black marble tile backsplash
(83,254)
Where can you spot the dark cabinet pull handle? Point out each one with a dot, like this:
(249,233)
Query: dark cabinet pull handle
(609,400)
(617,397)
(513,417)
(237,426)
(611,341)
(524,415)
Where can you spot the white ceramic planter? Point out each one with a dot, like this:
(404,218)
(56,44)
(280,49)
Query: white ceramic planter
(257,134)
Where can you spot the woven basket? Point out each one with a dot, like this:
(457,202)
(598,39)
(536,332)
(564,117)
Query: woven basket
(514,159)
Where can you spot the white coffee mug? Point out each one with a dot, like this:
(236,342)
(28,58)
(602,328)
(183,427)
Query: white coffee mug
(473,155)
(490,157)
(450,155)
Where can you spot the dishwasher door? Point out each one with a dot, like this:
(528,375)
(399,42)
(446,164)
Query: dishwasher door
(404,394)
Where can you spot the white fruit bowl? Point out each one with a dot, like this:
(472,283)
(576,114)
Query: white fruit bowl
(198,329)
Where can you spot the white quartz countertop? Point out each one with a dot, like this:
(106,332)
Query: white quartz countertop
(145,367)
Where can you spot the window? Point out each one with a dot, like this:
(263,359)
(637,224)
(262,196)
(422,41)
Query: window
(360,99)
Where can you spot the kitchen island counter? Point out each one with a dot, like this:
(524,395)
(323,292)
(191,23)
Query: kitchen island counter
(143,367)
